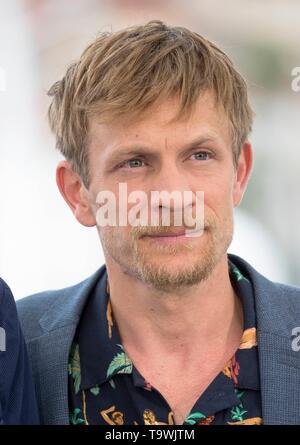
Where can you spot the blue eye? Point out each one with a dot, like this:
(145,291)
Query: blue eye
(133,163)
(201,155)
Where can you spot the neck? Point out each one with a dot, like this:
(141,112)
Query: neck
(199,316)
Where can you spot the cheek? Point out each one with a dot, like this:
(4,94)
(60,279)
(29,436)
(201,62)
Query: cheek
(218,203)
(218,184)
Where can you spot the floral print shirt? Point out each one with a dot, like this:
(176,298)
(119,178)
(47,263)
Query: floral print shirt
(105,388)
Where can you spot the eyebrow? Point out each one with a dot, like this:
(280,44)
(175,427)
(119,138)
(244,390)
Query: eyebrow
(137,149)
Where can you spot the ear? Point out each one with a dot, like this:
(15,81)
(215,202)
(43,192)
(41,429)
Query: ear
(74,193)
(243,170)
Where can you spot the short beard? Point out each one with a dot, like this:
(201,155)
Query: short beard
(168,282)
(136,263)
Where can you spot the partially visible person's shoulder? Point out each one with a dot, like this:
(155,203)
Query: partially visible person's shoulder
(7,302)
(62,303)
(4,289)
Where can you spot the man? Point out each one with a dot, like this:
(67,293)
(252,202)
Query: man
(17,395)
(172,329)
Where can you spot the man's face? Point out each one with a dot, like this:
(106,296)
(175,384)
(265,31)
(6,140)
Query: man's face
(154,154)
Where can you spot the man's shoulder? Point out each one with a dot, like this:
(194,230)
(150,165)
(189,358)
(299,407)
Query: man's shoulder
(289,289)
(277,304)
(44,310)
(259,279)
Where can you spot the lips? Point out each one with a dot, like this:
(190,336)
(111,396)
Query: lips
(170,233)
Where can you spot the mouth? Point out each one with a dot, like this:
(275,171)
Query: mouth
(170,233)
(174,236)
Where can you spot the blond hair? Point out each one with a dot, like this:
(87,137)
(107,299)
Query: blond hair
(121,74)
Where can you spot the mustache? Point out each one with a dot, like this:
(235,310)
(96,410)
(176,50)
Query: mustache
(141,231)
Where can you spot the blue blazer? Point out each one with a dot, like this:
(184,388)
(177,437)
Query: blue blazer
(49,321)
(18,404)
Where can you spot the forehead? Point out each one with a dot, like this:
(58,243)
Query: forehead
(157,124)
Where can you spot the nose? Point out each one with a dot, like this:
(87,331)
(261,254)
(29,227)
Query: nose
(171,192)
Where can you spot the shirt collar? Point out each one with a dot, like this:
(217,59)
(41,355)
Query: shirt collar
(100,349)
(102,355)
(244,366)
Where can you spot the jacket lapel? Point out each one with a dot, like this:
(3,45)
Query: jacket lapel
(278,313)
(51,374)
(50,352)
